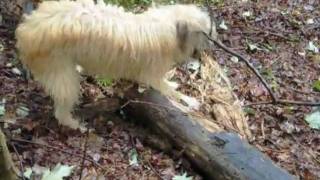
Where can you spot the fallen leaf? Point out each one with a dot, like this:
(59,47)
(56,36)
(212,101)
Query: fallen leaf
(193,65)
(9,65)
(316,58)
(172,2)
(16,131)
(302,53)
(287,127)
(314,119)
(223,25)
(58,173)
(234,59)
(22,111)
(310,21)
(38,170)
(95,142)
(2,107)
(1,47)
(308,7)
(253,47)
(312,47)
(183,177)
(16,71)
(27,173)
(96,157)
(168,173)
(249,111)
(141,89)
(247,14)
(316,85)
(133,155)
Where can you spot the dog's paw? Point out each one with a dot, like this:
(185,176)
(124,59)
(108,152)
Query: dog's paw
(71,123)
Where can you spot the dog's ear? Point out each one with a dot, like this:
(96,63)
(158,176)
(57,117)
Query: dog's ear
(182,34)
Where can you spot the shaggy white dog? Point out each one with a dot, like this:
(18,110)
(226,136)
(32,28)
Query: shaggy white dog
(106,40)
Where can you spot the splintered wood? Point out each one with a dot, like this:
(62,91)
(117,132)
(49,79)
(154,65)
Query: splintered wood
(219,104)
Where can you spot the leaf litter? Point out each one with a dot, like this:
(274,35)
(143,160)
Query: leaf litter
(287,135)
(279,131)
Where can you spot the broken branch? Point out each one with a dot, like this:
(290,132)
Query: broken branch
(275,100)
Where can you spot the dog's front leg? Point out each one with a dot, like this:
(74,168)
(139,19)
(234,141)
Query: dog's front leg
(61,80)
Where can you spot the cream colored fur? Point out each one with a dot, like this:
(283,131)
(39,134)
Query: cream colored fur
(106,40)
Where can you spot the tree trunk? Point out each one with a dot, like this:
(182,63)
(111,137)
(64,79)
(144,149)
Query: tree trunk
(7,168)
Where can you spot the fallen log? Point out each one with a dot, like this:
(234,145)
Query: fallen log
(214,152)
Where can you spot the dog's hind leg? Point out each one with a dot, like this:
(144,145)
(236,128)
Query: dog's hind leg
(61,80)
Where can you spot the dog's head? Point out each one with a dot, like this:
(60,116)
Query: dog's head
(191,23)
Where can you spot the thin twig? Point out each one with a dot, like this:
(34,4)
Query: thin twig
(275,100)
(279,36)
(266,33)
(55,148)
(84,153)
(154,170)
(20,161)
(252,68)
(259,103)
(298,103)
(297,90)
(284,102)
(6,121)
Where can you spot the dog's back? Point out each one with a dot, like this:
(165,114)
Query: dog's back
(39,32)
(88,33)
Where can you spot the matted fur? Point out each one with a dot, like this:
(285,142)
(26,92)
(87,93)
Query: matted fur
(106,40)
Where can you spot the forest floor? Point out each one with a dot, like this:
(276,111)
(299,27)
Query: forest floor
(280,37)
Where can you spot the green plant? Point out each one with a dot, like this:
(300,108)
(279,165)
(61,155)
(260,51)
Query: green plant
(104,82)
(129,4)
